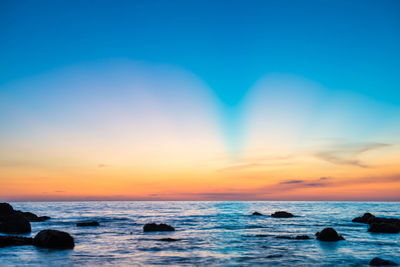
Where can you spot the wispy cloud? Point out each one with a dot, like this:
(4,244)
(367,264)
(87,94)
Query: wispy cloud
(346,154)
(101,165)
(292,182)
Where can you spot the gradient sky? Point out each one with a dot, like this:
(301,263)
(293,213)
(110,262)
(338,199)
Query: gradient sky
(200,100)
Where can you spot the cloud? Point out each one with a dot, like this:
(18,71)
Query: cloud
(315,184)
(59,191)
(324,178)
(102,165)
(292,182)
(346,154)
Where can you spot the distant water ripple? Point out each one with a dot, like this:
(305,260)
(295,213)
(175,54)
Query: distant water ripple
(207,233)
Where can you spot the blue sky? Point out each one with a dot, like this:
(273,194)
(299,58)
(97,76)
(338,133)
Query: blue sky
(350,45)
(344,45)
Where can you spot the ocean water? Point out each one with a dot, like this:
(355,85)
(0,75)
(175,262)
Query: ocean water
(208,233)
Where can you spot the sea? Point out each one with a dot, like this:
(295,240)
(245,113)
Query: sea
(208,233)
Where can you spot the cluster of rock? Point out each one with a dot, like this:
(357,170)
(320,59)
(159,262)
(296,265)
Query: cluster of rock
(379,224)
(45,238)
(15,221)
(376,224)
(18,222)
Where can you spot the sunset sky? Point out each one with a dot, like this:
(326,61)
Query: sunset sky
(199,100)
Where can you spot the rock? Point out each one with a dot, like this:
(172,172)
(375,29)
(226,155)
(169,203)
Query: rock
(6,241)
(384,220)
(283,237)
(282,214)
(32,217)
(54,239)
(15,223)
(304,237)
(151,227)
(93,223)
(44,218)
(168,239)
(256,213)
(300,237)
(381,262)
(328,234)
(6,209)
(384,228)
(370,219)
(365,218)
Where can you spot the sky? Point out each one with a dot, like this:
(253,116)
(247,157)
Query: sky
(199,100)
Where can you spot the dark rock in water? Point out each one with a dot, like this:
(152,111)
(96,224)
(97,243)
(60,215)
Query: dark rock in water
(381,262)
(43,218)
(168,239)
(6,241)
(15,223)
(383,227)
(32,217)
(6,209)
(151,227)
(302,237)
(94,223)
(329,234)
(256,213)
(282,214)
(53,239)
(283,237)
(370,219)
(365,218)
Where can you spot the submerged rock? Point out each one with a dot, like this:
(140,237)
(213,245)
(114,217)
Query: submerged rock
(14,223)
(381,262)
(383,227)
(6,241)
(283,237)
(93,223)
(302,237)
(168,239)
(256,213)
(152,227)
(299,237)
(282,214)
(365,218)
(329,234)
(54,239)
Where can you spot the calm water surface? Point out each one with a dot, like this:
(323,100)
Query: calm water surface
(208,233)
